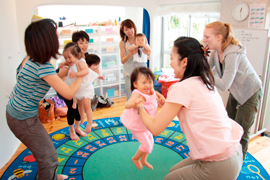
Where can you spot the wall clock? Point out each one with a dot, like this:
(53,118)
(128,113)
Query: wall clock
(240,11)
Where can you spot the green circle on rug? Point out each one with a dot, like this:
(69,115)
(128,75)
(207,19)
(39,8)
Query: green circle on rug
(104,162)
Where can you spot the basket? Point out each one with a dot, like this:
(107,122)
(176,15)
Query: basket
(165,85)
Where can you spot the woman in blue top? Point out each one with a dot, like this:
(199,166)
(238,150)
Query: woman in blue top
(34,79)
(234,73)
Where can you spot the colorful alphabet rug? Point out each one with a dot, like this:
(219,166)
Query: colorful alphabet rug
(105,154)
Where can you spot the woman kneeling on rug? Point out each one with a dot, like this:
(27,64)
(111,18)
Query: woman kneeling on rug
(213,138)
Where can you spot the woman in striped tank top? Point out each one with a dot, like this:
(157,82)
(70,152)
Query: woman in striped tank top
(34,78)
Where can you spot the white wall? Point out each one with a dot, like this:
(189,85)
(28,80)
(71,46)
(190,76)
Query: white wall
(16,16)
(10,58)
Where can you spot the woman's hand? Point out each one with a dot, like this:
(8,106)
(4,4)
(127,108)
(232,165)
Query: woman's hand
(72,74)
(63,71)
(138,102)
(63,64)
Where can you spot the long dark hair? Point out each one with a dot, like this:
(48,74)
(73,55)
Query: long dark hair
(41,41)
(129,24)
(197,64)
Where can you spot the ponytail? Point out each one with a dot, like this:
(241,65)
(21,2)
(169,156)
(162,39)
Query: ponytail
(197,60)
(226,30)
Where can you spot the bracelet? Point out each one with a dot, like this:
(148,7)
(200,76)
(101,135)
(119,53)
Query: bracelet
(140,107)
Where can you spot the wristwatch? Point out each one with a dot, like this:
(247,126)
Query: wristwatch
(140,107)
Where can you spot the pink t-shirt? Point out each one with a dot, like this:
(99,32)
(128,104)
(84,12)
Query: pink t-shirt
(210,133)
(130,117)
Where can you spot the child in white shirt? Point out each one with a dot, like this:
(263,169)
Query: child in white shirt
(92,62)
(141,50)
(73,57)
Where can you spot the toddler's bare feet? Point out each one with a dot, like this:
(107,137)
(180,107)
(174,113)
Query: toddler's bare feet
(73,136)
(137,163)
(62,177)
(74,106)
(82,122)
(145,163)
(88,128)
(81,133)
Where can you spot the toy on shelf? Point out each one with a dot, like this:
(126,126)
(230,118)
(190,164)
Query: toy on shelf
(104,23)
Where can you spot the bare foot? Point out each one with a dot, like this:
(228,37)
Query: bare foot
(88,128)
(62,177)
(137,163)
(73,136)
(74,106)
(145,163)
(81,133)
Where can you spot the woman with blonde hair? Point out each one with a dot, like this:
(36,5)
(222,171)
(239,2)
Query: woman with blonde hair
(234,73)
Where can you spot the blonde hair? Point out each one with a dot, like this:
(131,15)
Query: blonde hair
(226,31)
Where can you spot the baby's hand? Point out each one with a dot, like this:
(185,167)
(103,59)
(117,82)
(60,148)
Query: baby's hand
(96,70)
(141,45)
(160,99)
(72,74)
(101,77)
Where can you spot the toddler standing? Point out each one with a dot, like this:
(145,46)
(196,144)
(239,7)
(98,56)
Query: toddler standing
(73,57)
(92,62)
(72,54)
(142,80)
(141,50)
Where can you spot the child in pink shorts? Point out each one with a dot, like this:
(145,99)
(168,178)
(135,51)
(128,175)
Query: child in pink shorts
(142,80)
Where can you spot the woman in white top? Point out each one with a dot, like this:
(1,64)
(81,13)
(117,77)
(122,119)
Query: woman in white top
(128,32)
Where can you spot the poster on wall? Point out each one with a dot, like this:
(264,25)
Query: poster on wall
(257,16)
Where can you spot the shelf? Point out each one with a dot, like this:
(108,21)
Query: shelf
(109,34)
(105,70)
(109,53)
(104,41)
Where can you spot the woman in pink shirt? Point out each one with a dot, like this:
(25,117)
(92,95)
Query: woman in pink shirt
(213,138)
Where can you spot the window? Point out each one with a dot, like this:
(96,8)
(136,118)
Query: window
(191,25)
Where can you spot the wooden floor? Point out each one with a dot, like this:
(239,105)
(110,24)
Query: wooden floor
(259,146)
